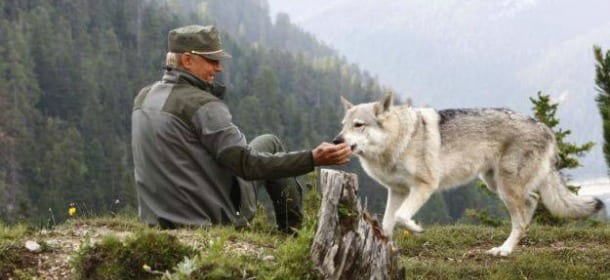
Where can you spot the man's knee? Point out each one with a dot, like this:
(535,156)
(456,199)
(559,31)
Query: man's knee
(267,143)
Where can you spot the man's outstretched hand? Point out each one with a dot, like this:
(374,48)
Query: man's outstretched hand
(331,154)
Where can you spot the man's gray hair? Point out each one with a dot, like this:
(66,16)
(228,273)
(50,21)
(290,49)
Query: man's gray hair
(173,60)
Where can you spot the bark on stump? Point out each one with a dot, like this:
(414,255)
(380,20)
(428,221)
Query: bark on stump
(349,243)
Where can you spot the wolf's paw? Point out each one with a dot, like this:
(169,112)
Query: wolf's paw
(414,228)
(499,251)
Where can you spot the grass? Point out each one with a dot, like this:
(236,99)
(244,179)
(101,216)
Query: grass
(458,252)
(115,259)
(122,248)
(12,256)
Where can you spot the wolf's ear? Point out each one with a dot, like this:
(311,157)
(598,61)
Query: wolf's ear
(386,102)
(346,104)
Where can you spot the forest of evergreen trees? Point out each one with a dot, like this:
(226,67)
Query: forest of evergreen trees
(71,68)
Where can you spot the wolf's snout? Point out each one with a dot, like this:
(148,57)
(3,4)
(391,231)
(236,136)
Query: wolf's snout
(338,140)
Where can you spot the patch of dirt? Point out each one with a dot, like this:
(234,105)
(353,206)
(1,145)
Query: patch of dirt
(61,244)
(58,247)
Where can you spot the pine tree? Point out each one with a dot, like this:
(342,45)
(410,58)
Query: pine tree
(602,79)
(569,153)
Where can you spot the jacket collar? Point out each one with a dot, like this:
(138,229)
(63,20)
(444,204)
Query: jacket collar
(174,75)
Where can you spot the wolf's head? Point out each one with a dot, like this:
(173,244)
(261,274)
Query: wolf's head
(363,128)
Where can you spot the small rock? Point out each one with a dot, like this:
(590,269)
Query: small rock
(33,246)
(269,258)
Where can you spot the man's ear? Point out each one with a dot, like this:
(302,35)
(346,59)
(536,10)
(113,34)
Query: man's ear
(346,104)
(186,61)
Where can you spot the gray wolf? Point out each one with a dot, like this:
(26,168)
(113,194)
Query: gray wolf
(414,152)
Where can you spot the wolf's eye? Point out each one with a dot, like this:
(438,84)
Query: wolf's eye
(358,124)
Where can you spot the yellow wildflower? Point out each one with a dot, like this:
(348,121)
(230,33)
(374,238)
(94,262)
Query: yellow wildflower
(146,268)
(72,211)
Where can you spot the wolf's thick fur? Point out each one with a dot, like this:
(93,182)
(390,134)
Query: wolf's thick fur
(414,152)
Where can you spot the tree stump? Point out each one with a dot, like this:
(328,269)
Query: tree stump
(349,243)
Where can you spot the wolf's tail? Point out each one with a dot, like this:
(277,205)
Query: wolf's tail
(563,203)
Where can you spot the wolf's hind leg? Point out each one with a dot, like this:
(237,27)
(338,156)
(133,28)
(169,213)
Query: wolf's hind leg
(395,199)
(531,203)
(416,199)
(521,210)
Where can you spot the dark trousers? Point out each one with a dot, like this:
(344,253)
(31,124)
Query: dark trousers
(286,194)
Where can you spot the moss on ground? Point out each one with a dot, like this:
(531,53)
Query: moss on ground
(134,258)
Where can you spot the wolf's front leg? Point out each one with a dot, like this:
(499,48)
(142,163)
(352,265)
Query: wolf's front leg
(395,199)
(417,197)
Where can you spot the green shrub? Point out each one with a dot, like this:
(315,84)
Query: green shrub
(114,259)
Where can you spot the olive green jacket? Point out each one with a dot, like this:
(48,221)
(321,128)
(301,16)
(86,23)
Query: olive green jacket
(191,162)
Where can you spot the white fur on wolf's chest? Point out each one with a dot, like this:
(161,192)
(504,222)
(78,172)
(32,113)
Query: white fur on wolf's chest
(393,176)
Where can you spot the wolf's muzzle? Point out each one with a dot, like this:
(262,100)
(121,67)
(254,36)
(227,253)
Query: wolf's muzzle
(338,140)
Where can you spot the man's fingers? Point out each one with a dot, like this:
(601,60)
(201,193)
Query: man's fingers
(343,150)
(331,154)
(346,150)
(341,154)
(334,148)
(344,161)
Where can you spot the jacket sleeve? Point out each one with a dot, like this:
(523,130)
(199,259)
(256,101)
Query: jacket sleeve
(225,141)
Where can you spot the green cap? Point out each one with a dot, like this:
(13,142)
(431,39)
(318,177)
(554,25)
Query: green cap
(197,39)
